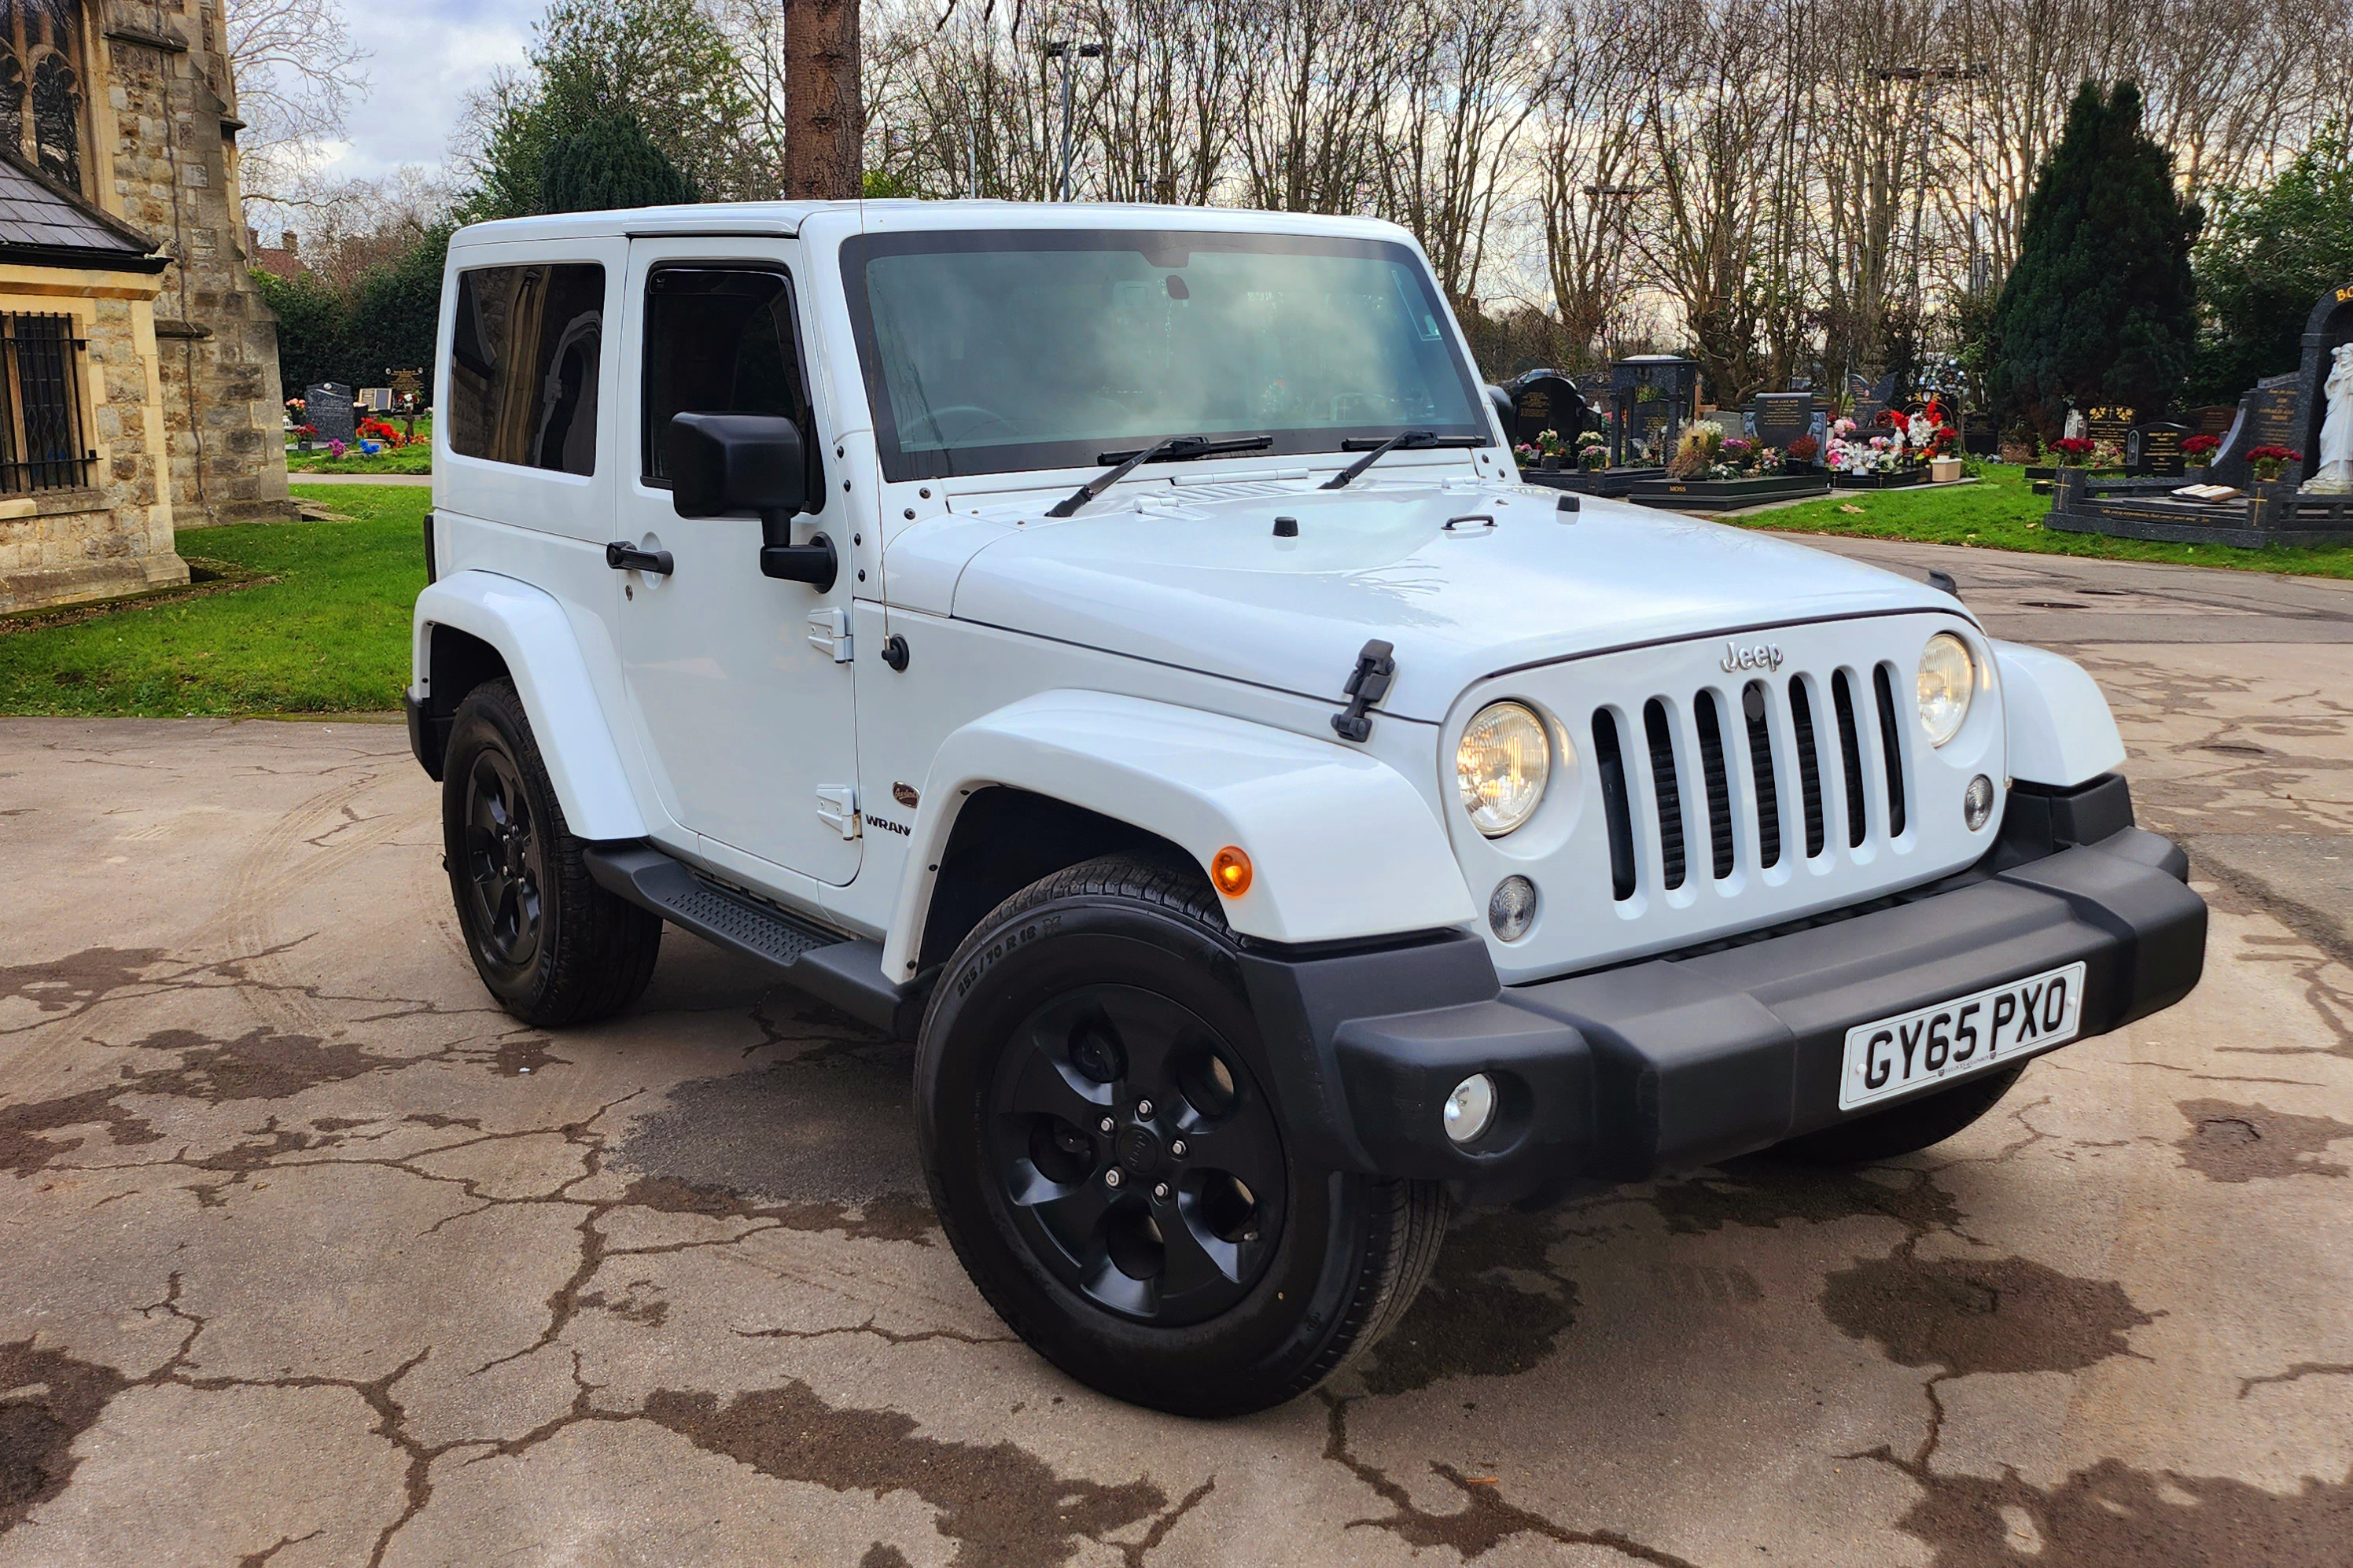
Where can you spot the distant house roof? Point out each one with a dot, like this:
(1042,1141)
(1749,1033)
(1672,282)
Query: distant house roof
(278,261)
(44,224)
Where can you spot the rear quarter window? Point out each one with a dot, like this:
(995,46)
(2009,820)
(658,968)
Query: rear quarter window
(524,355)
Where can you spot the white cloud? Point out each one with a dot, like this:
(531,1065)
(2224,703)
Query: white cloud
(427,56)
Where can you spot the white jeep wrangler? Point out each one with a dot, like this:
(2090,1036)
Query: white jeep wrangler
(1112,648)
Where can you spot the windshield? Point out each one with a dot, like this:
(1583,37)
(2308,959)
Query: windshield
(995,351)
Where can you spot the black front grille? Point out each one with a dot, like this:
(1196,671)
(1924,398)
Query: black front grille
(1850,755)
(1810,764)
(1760,762)
(1891,746)
(1719,787)
(1671,797)
(1610,759)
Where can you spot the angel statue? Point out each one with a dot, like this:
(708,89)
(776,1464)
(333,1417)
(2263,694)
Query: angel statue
(2334,476)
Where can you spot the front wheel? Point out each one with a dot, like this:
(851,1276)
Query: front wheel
(1109,1165)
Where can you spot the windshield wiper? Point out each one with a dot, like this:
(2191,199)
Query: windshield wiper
(1173,449)
(1408,440)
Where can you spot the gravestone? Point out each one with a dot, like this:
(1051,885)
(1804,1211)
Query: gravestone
(2214,419)
(2109,424)
(2155,448)
(328,408)
(1545,400)
(1783,416)
(376,399)
(2267,417)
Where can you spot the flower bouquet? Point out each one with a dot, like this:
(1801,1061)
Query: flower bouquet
(2199,450)
(1592,450)
(2267,461)
(2074,450)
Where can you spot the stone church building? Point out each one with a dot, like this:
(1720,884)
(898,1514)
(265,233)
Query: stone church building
(138,365)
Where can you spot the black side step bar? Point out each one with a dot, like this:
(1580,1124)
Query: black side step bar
(844,971)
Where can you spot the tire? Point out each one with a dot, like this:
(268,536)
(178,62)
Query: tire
(1112,990)
(1904,1128)
(553,946)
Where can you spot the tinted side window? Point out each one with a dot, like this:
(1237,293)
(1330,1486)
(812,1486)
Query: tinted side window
(718,340)
(522,365)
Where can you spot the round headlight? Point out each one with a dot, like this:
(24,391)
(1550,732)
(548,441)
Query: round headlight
(1500,766)
(1949,678)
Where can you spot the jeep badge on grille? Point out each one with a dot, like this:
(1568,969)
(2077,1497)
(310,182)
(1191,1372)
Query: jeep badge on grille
(1763,655)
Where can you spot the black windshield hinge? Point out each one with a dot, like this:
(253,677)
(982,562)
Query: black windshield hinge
(1367,684)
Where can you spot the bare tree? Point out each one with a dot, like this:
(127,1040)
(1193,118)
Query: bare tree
(296,75)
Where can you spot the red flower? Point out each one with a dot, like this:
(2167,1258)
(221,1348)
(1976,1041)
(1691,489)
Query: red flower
(2272,455)
(1804,447)
(2197,444)
(2074,446)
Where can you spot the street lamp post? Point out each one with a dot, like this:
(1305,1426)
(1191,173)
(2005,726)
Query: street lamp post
(1062,49)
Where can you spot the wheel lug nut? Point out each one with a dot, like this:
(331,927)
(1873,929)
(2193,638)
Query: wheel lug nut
(1107,1125)
(1113,1177)
(1161,1191)
(1177,1147)
(1144,1108)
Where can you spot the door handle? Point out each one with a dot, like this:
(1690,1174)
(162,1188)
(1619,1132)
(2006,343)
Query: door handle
(623,556)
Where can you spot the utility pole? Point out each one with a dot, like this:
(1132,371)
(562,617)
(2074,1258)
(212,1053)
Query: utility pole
(1063,49)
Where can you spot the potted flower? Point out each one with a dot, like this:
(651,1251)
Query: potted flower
(1550,448)
(303,435)
(1525,455)
(2199,451)
(2074,450)
(2267,461)
(2107,455)
(1804,450)
(1592,451)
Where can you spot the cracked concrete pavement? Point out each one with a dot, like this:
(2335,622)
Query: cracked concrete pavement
(314,1256)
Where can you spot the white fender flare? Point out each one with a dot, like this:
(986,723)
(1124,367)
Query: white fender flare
(1340,845)
(535,636)
(2060,730)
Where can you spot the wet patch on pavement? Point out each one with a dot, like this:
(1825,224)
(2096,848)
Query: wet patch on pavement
(1493,1307)
(2114,1515)
(1971,1315)
(1760,1192)
(2228,1143)
(1002,1505)
(47,1400)
(838,1130)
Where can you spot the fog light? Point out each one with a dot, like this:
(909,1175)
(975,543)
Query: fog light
(1511,909)
(1471,1109)
(1977,807)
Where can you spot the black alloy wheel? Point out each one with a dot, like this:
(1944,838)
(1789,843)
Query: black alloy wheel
(552,946)
(1142,1165)
(1108,1151)
(506,871)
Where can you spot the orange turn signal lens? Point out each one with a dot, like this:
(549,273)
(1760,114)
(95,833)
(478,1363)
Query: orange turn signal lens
(1230,869)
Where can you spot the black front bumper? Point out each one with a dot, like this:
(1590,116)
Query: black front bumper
(1691,1059)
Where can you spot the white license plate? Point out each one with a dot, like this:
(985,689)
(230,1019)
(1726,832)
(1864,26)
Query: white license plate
(1969,1033)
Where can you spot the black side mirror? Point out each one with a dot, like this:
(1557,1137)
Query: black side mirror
(722,464)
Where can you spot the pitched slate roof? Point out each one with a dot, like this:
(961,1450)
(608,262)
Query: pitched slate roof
(44,224)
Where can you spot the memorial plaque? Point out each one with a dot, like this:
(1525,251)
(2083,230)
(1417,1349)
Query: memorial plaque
(2213,420)
(1545,400)
(328,407)
(1867,411)
(1783,416)
(2155,448)
(2108,424)
(2277,402)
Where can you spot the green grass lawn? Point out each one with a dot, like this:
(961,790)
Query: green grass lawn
(2001,511)
(329,635)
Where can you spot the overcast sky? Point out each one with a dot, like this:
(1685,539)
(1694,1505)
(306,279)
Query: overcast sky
(428,54)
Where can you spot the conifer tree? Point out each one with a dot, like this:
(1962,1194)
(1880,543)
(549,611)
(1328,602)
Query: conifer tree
(608,161)
(2101,307)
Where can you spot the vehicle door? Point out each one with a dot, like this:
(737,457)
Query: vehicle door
(739,685)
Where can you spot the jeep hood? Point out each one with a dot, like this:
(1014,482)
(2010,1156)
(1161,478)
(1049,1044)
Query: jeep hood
(1207,586)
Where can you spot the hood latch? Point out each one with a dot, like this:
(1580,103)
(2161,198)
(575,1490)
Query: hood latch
(1367,684)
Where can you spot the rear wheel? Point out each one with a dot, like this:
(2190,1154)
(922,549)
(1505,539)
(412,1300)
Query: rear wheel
(1906,1129)
(553,946)
(1113,1171)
